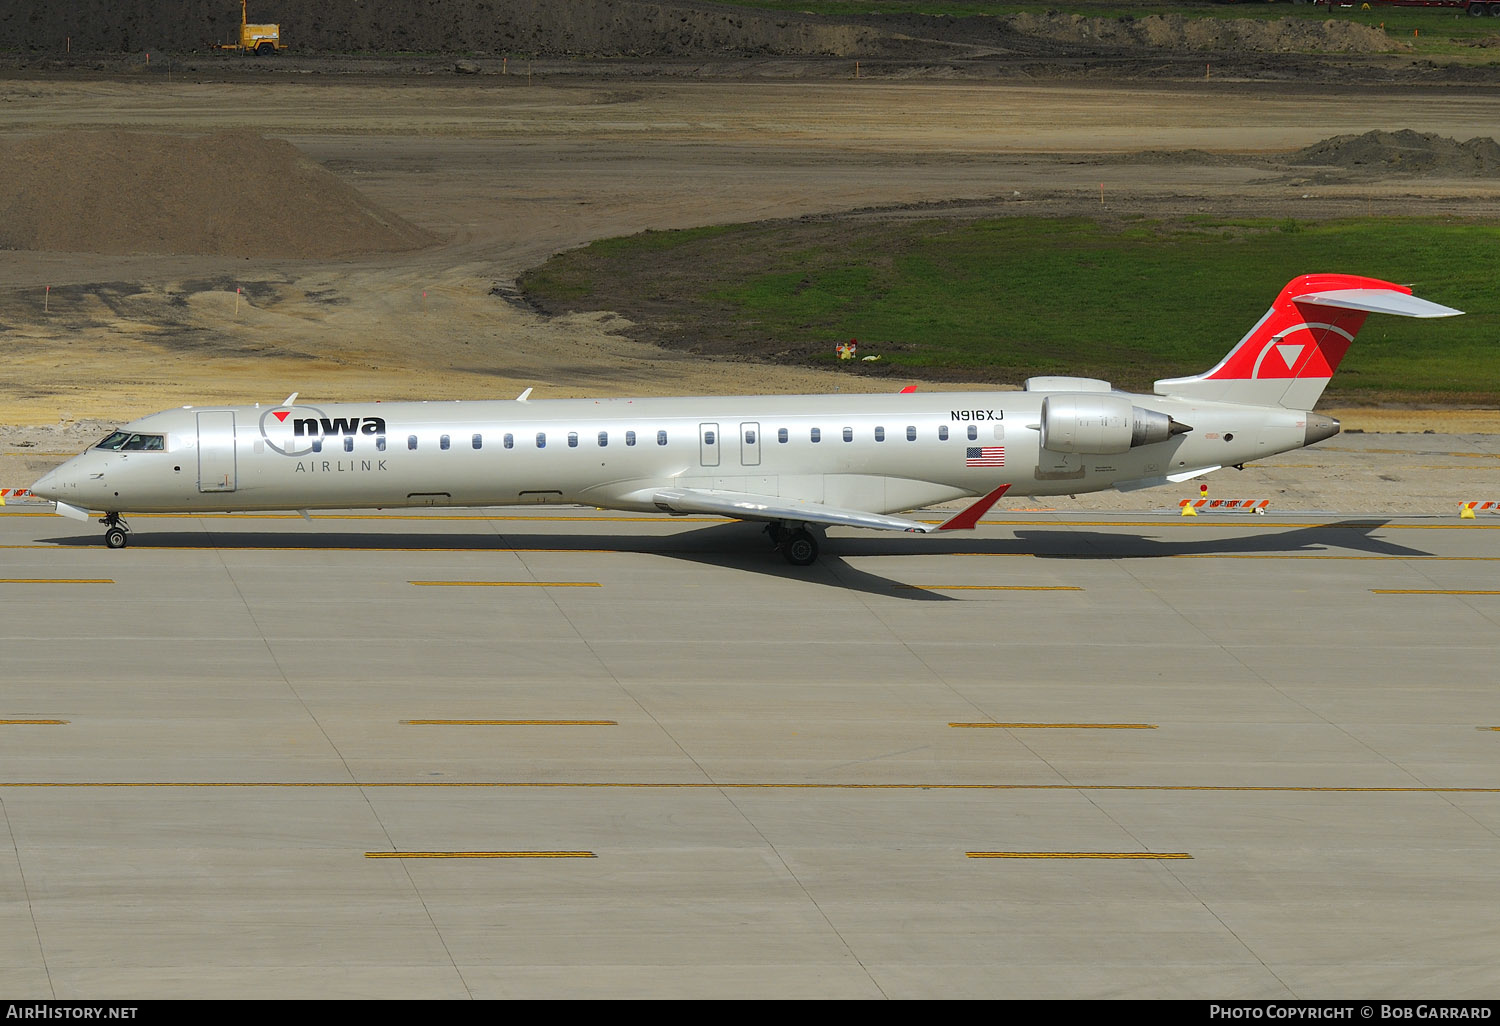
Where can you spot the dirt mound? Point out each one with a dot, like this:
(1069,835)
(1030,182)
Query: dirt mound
(1407,151)
(229,194)
(1174,32)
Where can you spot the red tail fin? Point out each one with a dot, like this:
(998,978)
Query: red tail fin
(1288,357)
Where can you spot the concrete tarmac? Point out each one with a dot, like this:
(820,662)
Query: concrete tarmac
(565,753)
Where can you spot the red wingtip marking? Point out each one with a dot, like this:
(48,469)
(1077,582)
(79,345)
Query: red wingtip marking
(966,518)
(908,389)
(281,415)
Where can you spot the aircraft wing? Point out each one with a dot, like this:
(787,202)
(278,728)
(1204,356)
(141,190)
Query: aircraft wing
(745,506)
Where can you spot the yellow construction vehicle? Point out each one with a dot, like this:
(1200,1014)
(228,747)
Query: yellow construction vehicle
(256,39)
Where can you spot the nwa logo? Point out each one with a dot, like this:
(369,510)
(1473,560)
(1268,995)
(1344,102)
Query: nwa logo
(308,425)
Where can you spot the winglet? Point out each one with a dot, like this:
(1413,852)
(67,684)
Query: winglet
(966,518)
(908,390)
(523,396)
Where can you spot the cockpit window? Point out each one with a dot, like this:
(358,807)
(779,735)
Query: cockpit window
(132,441)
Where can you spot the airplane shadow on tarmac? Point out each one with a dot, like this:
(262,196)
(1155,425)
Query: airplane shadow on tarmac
(744,547)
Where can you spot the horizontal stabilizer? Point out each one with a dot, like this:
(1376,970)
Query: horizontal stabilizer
(1378,301)
(1164,479)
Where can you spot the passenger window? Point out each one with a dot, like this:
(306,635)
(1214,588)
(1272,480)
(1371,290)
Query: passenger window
(749,437)
(816,435)
(603,439)
(708,438)
(349,443)
(880,434)
(317,445)
(661,438)
(973,432)
(443,442)
(781,436)
(510,440)
(942,432)
(541,439)
(630,438)
(848,434)
(478,441)
(911,433)
(380,443)
(572,439)
(411,442)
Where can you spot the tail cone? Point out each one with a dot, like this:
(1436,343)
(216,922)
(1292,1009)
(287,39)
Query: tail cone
(1320,427)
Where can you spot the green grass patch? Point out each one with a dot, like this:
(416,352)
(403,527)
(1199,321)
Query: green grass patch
(999,300)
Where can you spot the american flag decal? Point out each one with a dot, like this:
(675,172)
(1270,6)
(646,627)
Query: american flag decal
(985,456)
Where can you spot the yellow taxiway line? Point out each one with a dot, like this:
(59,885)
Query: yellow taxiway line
(480,855)
(1076,855)
(506,584)
(739,786)
(1062,726)
(56,580)
(512,723)
(988,587)
(1430,591)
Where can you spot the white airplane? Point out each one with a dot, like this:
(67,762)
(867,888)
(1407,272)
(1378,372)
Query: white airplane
(794,462)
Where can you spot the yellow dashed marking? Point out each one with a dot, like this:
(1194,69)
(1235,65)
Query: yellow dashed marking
(513,723)
(1064,726)
(1430,591)
(55,580)
(428,519)
(988,587)
(1076,855)
(710,785)
(506,584)
(480,855)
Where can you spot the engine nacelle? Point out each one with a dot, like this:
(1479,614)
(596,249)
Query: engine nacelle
(1101,424)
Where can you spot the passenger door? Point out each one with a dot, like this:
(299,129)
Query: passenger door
(750,444)
(216,461)
(708,444)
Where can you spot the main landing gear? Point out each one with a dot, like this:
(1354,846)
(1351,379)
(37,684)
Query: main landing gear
(116,530)
(798,545)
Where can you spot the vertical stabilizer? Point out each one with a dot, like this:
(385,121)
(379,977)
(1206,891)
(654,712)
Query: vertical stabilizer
(1291,353)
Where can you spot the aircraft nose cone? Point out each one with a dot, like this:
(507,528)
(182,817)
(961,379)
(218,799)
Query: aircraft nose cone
(46,485)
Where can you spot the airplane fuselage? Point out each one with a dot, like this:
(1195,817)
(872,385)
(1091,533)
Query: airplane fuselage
(877,453)
(792,462)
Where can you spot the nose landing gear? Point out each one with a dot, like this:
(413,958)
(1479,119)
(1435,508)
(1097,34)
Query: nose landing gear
(116,532)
